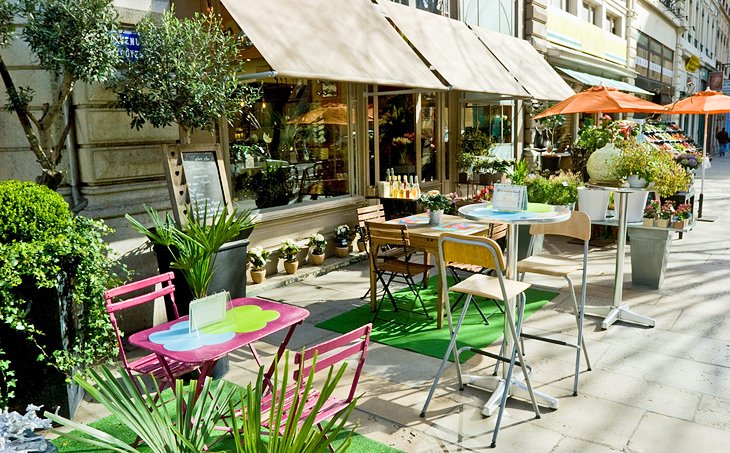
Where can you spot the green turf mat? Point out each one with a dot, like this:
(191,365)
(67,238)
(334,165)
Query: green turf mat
(414,332)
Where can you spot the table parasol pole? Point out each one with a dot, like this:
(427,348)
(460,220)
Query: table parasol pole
(704,156)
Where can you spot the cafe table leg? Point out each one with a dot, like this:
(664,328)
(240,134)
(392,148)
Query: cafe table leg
(279,353)
(373,286)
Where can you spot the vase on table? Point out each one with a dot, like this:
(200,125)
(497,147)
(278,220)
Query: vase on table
(434,217)
(258,275)
(291,266)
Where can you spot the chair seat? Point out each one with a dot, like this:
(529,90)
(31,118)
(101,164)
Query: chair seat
(486,286)
(548,265)
(330,407)
(401,267)
(150,365)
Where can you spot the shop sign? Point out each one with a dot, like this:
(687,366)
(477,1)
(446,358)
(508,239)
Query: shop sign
(714,82)
(693,64)
(128,46)
(726,86)
(642,62)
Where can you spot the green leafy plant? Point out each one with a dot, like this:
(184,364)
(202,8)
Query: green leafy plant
(289,249)
(318,243)
(473,144)
(435,201)
(75,40)
(186,429)
(549,125)
(42,246)
(670,177)
(636,159)
(272,186)
(561,189)
(519,173)
(286,435)
(187,74)
(258,256)
(194,247)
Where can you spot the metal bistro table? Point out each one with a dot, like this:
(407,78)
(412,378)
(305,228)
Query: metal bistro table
(618,311)
(536,213)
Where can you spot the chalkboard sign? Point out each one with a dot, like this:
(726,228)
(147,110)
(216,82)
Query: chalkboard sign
(203,181)
(196,175)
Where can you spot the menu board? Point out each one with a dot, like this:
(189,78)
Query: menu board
(203,181)
(508,197)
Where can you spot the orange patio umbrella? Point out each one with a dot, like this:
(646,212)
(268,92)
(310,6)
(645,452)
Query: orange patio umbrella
(601,99)
(706,103)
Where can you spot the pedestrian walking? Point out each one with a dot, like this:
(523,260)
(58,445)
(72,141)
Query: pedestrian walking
(722,139)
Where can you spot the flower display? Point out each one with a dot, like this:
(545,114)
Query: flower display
(435,201)
(667,210)
(683,211)
(318,243)
(289,249)
(689,160)
(258,257)
(651,211)
(483,195)
(342,235)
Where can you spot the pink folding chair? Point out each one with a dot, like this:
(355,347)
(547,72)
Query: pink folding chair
(149,365)
(329,353)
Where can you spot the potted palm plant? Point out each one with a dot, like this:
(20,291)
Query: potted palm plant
(289,250)
(258,257)
(342,241)
(317,244)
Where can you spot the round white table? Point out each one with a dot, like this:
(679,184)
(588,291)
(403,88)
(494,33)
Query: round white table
(536,213)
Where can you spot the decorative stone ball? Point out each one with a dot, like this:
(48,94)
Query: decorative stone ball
(600,165)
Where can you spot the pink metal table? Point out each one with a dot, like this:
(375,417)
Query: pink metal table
(247,320)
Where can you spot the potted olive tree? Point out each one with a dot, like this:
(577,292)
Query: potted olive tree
(55,268)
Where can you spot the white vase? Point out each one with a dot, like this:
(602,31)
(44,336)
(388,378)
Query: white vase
(600,164)
(593,202)
(434,217)
(636,181)
(636,205)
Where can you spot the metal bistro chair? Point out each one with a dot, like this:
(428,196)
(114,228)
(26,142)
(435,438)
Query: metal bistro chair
(394,236)
(485,253)
(578,227)
(149,364)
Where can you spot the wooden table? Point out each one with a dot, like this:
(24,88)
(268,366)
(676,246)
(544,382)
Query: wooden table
(426,237)
(248,319)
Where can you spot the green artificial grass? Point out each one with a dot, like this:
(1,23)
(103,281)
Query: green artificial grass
(414,332)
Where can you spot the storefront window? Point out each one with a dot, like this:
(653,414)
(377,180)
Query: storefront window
(397,133)
(292,145)
(494,120)
(429,137)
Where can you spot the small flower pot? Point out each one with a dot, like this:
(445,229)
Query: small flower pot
(662,223)
(648,222)
(316,259)
(258,276)
(342,252)
(291,266)
(434,217)
(680,224)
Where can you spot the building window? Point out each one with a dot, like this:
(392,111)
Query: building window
(292,145)
(615,25)
(433,6)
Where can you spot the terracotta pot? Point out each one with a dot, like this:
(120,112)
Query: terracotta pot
(317,259)
(342,252)
(258,276)
(291,266)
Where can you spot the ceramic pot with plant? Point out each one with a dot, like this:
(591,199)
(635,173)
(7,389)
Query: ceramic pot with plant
(682,215)
(258,257)
(635,163)
(288,251)
(317,243)
(436,203)
(651,213)
(342,241)
(665,214)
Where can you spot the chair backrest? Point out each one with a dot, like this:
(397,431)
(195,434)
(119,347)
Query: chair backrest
(334,351)
(374,213)
(140,292)
(477,250)
(498,231)
(578,227)
(380,234)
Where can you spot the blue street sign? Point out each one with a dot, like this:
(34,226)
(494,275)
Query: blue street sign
(129,45)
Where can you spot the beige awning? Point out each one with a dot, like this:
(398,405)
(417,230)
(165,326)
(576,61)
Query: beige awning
(342,40)
(454,51)
(525,63)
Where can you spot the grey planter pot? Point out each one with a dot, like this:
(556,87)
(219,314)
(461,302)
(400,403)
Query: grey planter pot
(649,255)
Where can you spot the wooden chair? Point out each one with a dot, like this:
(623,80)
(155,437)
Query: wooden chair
(136,294)
(394,237)
(577,227)
(484,253)
(353,344)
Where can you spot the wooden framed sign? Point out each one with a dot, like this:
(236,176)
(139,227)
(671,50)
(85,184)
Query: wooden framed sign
(196,176)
